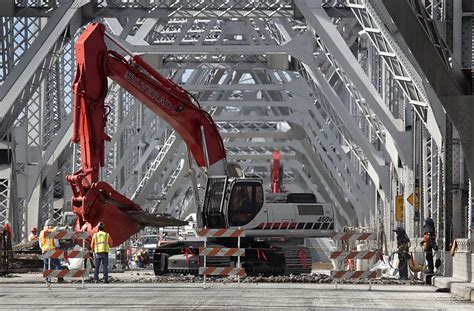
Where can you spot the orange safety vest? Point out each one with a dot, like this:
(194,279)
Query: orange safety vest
(101,242)
(46,244)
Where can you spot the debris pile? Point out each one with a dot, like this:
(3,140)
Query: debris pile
(181,278)
(318,278)
(300,278)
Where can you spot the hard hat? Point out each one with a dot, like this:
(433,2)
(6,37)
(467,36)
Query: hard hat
(34,229)
(101,226)
(49,223)
(429,226)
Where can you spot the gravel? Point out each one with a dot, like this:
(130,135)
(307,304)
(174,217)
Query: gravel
(320,278)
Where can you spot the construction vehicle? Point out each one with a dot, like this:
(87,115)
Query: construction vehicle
(276,225)
(231,200)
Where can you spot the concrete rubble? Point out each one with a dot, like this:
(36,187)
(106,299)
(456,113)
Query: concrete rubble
(316,278)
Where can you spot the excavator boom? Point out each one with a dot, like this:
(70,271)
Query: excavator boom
(94,200)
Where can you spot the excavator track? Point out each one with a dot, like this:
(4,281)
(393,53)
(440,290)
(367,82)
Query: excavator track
(297,260)
(294,260)
(267,271)
(211,262)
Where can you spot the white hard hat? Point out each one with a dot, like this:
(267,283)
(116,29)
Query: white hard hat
(49,223)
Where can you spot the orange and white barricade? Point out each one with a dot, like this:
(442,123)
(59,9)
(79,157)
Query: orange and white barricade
(66,254)
(351,256)
(355,275)
(221,252)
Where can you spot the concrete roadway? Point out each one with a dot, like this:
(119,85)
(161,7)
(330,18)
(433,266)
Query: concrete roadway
(172,296)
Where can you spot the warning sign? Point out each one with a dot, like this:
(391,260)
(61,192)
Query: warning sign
(414,200)
(399,208)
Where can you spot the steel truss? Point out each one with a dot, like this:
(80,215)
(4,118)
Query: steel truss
(273,73)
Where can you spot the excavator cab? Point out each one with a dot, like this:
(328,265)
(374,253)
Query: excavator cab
(231,202)
(212,213)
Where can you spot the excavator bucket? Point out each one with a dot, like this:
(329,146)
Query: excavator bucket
(122,224)
(121,216)
(117,223)
(150,220)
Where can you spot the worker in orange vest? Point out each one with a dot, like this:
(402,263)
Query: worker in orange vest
(8,229)
(6,240)
(429,243)
(49,245)
(33,235)
(100,245)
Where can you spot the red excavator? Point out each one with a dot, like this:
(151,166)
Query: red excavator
(230,201)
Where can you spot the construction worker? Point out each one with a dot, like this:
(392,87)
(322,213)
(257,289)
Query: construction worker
(138,258)
(403,244)
(5,244)
(49,245)
(128,252)
(100,245)
(8,229)
(429,243)
(33,235)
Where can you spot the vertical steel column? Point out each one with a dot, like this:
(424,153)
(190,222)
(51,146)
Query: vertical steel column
(447,215)
(457,31)
(470,216)
(441,197)
(119,145)
(415,175)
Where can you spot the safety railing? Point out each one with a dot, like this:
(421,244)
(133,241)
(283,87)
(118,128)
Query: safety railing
(462,246)
(65,254)
(221,251)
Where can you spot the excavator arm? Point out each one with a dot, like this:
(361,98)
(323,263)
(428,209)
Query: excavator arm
(96,201)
